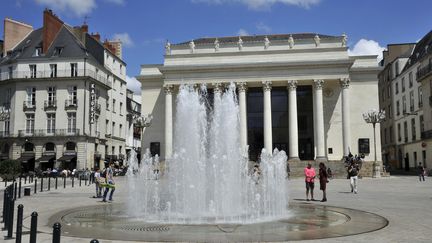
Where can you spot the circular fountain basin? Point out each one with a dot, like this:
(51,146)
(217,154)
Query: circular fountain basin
(309,221)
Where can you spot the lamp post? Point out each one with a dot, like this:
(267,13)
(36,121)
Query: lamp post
(142,122)
(374,116)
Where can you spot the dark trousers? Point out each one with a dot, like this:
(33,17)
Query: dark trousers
(106,193)
(421,176)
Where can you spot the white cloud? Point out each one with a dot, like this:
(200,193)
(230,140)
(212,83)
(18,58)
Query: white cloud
(133,84)
(260,5)
(77,7)
(263,27)
(367,47)
(242,32)
(124,38)
(119,2)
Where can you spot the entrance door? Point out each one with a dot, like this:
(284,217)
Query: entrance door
(407,162)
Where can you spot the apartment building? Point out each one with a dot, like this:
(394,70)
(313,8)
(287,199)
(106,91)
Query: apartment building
(62,96)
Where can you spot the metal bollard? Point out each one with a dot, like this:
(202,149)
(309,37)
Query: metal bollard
(25,180)
(49,183)
(19,188)
(15,191)
(5,182)
(56,233)
(64,182)
(35,186)
(10,218)
(41,184)
(33,227)
(73,178)
(4,204)
(56,183)
(19,224)
(80,180)
(6,211)
(94,241)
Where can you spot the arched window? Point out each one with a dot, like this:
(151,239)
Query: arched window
(70,146)
(49,147)
(28,147)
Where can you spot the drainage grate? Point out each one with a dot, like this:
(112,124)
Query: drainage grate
(155,228)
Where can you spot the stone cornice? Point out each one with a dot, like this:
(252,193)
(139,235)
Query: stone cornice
(346,63)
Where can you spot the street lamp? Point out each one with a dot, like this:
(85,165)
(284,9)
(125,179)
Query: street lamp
(374,116)
(142,122)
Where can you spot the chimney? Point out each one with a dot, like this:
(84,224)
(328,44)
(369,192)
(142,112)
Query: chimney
(84,28)
(14,32)
(51,26)
(115,47)
(96,36)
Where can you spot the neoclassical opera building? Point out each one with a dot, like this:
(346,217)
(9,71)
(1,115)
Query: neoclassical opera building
(301,93)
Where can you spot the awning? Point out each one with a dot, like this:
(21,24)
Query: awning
(45,158)
(25,158)
(67,158)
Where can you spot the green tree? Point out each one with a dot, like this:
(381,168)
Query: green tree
(10,169)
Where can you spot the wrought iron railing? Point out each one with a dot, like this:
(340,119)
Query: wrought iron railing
(71,103)
(422,72)
(48,132)
(50,104)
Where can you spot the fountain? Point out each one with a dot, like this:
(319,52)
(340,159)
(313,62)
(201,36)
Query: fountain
(208,179)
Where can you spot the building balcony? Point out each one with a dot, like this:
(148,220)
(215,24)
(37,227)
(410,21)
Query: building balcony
(48,132)
(424,72)
(48,74)
(29,106)
(71,104)
(50,104)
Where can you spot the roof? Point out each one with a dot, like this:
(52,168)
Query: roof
(422,49)
(258,38)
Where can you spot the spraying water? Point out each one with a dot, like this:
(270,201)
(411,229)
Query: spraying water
(208,180)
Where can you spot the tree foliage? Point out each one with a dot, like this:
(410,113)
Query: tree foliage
(10,169)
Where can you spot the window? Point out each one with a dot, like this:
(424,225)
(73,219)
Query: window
(391,134)
(57,51)
(53,68)
(71,122)
(112,150)
(421,123)
(420,97)
(397,68)
(32,71)
(120,149)
(37,52)
(10,71)
(31,96)
(113,129)
(72,91)
(114,84)
(413,130)
(7,126)
(411,100)
(74,69)
(97,124)
(52,96)
(107,104)
(121,69)
(120,130)
(113,105)
(404,105)
(51,123)
(397,88)
(106,126)
(403,84)
(385,136)
(406,131)
(390,111)
(399,132)
(121,108)
(30,119)
(388,91)
(397,108)
(410,78)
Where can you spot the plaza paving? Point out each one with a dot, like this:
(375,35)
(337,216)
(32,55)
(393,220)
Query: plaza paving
(403,200)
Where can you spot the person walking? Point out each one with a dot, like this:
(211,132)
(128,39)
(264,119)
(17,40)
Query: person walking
(353,171)
(323,178)
(421,172)
(97,180)
(310,175)
(109,177)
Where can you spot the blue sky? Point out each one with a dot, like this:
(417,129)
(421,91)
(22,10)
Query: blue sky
(145,25)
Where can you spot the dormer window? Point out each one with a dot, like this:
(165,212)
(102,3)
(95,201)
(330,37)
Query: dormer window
(37,52)
(57,51)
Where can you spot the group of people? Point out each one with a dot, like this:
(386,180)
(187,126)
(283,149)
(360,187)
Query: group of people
(310,176)
(105,179)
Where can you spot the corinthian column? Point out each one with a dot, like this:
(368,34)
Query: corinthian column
(243,115)
(268,137)
(346,133)
(168,122)
(319,121)
(292,124)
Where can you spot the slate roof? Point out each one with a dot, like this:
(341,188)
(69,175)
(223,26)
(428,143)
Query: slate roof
(420,50)
(258,38)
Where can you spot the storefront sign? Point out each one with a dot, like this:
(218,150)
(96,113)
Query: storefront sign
(92,103)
